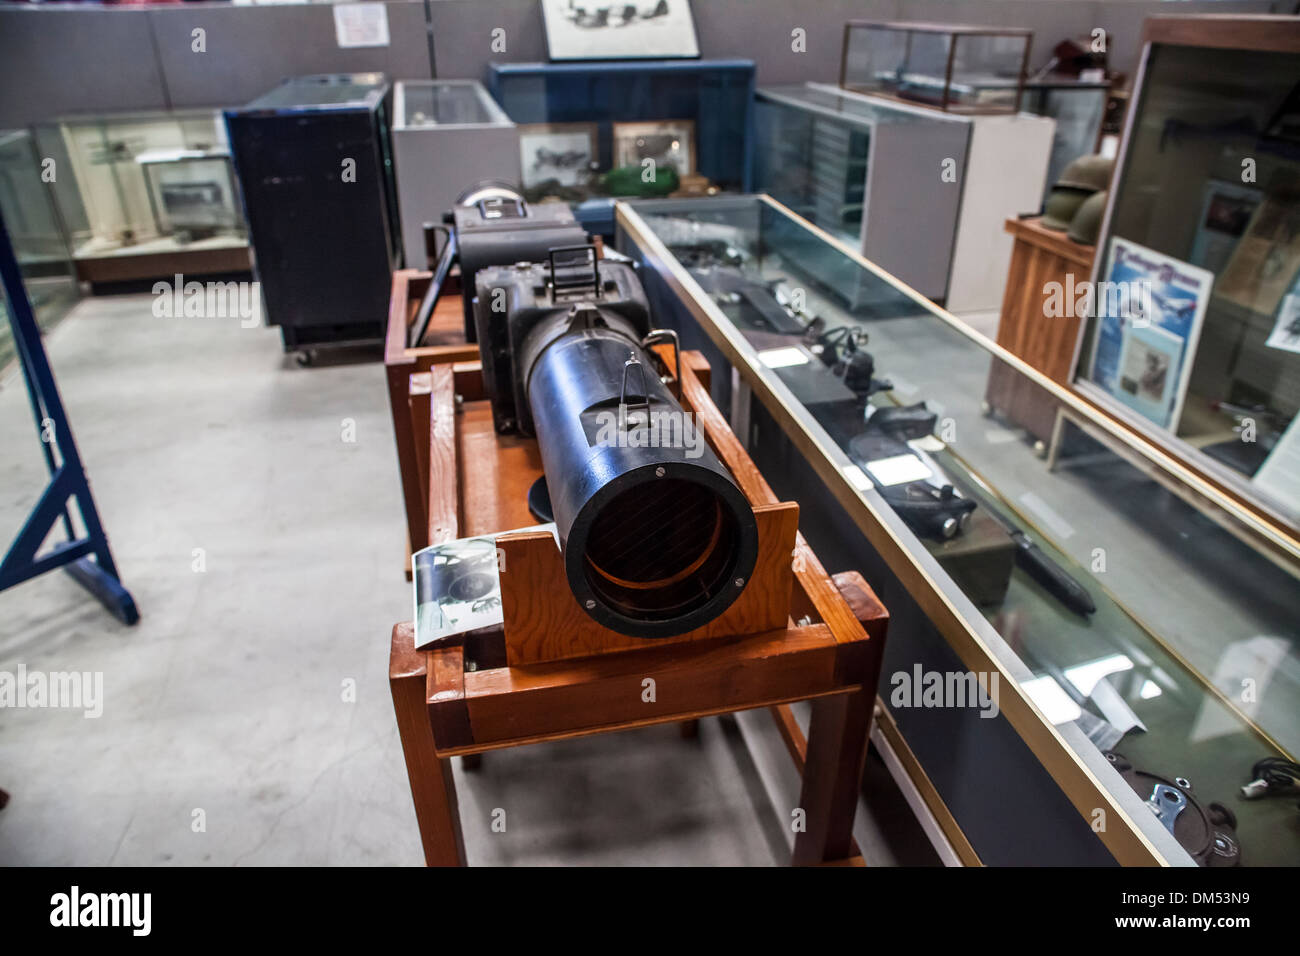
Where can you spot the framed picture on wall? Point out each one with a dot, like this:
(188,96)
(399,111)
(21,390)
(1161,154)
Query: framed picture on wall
(626,30)
(563,153)
(667,142)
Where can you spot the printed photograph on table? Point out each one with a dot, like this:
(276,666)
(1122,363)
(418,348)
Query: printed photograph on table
(457,588)
(563,153)
(667,142)
(577,30)
(1150,308)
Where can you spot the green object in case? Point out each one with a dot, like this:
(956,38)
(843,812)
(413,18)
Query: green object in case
(629,181)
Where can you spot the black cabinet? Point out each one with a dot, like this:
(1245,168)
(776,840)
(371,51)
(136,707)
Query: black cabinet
(316,171)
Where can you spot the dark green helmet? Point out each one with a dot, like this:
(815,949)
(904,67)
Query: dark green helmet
(1090,172)
(1086,223)
(1062,203)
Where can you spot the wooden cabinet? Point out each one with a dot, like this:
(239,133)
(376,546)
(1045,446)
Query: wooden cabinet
(1038,324)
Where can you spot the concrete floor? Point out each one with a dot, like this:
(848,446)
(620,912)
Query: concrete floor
(229,703)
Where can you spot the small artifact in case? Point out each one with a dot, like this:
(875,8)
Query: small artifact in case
(1208,833)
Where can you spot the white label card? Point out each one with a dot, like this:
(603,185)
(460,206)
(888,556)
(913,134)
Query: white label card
(361,24)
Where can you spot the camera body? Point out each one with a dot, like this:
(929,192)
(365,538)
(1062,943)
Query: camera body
(499,230)
(521,309)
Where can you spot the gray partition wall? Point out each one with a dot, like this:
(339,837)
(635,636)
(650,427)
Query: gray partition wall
(57,58)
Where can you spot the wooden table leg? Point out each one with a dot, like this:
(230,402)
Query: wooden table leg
(832,778)
(432,785)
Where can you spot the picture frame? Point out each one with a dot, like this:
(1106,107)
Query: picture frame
(619,29)
(562,152)
(1266,260)
(1226,211)
(670,142)
(1144,343)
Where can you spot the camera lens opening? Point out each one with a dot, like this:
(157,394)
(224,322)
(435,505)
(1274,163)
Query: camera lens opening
(662,549)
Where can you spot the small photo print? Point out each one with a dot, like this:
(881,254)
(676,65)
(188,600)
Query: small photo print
(667,142)
(1149,371)
(563,153)
(457,588)
(1145,373)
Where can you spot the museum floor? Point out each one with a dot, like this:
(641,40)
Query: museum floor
(230,732)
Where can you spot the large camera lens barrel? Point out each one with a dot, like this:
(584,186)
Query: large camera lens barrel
(657,538)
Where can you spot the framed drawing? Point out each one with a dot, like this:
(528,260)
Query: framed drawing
(561,152)
(632,29)
(667,142)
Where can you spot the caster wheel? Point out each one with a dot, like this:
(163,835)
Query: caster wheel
(306,358)
(1040,448)
(986,409)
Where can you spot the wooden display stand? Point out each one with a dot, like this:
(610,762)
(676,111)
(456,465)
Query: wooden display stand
(552,673)
(401,362)
(1048,343)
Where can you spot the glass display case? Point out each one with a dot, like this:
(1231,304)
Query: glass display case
(447,134)
(965,69)
(36,233)
(832,156)
(1194,334)
(1143,626)
(147,194)
(923,193)
(1078,107)
(149,176)
(592,129)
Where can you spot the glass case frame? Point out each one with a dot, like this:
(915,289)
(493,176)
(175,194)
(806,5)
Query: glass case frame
(1264,34)
(950,90)
(1076,765)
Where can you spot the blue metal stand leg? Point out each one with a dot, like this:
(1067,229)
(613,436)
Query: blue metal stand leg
(87,559)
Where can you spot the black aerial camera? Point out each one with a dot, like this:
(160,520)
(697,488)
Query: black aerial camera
(657,538)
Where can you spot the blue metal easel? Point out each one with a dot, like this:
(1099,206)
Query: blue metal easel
(87,559)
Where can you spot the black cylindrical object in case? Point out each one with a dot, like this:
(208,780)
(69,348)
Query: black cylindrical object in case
(657,538)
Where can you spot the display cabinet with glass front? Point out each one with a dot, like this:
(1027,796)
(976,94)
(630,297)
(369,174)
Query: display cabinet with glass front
(1194,334)
(1113,606)
(965,69)
(155,194)
(446,135)
(922,192)
(864,169)
(1078,107)
(36,233)
(591,131)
